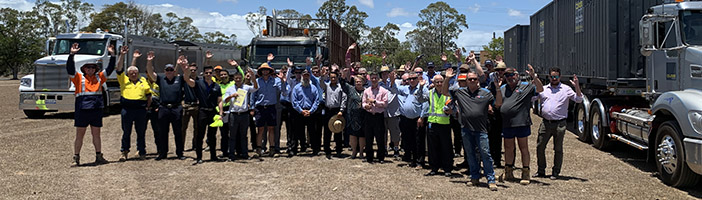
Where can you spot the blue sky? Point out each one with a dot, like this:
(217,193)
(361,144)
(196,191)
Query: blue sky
(228,16)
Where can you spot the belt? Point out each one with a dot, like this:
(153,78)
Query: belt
(190,103)
(239,113)
(265,106)
(553,121)
(170,105)
(207,109)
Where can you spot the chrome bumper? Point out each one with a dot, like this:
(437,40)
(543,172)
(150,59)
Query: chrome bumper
(693,151)
(49,101)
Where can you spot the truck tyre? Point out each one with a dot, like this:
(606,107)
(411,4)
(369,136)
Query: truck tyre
(670,157)
(34,114)
(580,123)
(598,132)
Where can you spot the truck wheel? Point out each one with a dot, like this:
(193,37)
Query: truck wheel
(670,157)
(598,132)
(580,123)
(34,114)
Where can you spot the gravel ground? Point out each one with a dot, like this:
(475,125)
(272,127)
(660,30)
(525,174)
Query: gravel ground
(36,157)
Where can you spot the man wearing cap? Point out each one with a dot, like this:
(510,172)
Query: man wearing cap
(489,67)
(136,98)
(410,109)
(392,111)
(438,129)
(375,100)
(265,99)
(88,103)
(237,96)
(190,110)
(170,89)
(305,100)
(335,104)
(554,111)
(399,72)
(495,130)
(516,119)
(473,103)
(429,74)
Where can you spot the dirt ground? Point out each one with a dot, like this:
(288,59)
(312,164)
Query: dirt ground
(36,164)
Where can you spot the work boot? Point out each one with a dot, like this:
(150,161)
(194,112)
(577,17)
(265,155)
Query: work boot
(99,160)
(525,176)
(492,186)
(475,182)
(125,156)
(76,160)
(507,175)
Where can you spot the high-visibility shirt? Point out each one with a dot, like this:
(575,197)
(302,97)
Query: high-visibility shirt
(88,85)
(133,91)
(224,90)
(436,108)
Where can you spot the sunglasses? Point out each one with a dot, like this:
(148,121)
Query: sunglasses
(207,73)
(170,69)
(510,74)
(411,79)
(193,70)
(472,79)
(555,77)
(363,74)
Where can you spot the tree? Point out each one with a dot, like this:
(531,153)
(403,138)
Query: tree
(219,38)
(293,14)
(76,12)
(494,48)
(382,39)
(139,20)
(49,15)
(439,24)
(255,21)
(180,28)
(20,43)
(349,17)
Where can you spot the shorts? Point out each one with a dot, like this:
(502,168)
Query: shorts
(357,133)
(518,132)
(265,115)
(85,117)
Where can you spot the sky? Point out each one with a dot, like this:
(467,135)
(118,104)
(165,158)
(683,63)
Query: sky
(228,16)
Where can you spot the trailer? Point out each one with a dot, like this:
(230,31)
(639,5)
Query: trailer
(516,47)
(640,67)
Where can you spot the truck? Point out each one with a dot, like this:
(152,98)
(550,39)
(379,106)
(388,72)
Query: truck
(640,67)
(50,90)
(297,39)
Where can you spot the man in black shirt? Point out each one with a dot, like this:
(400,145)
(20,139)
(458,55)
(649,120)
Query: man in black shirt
(190,108)
(169,111)
(209,95)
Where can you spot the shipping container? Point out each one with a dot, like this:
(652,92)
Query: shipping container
(516,47)
(596,39)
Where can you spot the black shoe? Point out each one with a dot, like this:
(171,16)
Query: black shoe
(231,159)
(197,162)
(539,175)
(215,159)
(554,177)
(160,158)
(447,174)
(413,165)
(181,157)
(291,154)
(328,156)
(382,161)
(464,164)
(431,173)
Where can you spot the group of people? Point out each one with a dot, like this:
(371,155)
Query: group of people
(355,106)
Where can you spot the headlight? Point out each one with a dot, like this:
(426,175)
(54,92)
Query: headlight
(695,118)
(26,82)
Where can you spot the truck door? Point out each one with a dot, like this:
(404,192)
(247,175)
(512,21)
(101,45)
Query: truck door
(666,64)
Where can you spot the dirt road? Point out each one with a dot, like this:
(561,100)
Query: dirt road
(36,158)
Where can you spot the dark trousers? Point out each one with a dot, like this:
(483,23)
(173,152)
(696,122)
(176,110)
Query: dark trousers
(440,152)
(299,134)
(189,111)
(457,138)
(170,116)
(224,135)
(238,123)
(375,127)
(549,129)
(252,130)
(329,113)
(134,117)
(205,118)
(422,142)
(495,138)
(408,127)
(152,117)
(286,116)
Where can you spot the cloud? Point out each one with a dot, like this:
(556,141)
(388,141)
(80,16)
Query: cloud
(404,28)
(406,25)
(514,13)
(207,21)
(474,39)
(167,5)
(368,3)
(395,12)
(20,5)
(474,9)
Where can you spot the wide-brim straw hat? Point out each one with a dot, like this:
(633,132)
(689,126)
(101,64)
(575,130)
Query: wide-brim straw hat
(336,124)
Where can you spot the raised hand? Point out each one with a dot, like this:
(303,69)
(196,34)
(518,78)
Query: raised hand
(457,54)
(290,63)
(334,68)
(232,62)
(497,82)
(532,73)
(575,81)
(384,55)
(353,46)
(111,49)
(308,61)
(150,56)
(444,57)
(209,55)
(183,62)
(471,56)
(270,57)
(75,48)
(124,50)
(450,73)
(136,54)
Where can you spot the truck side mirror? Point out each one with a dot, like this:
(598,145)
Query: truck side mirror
(647,37)
(49,45)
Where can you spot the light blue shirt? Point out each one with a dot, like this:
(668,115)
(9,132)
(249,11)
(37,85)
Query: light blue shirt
(410,106)
(267,93)
(306,98)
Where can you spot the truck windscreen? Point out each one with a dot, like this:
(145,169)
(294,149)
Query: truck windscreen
(90,47)
(692,27)
(296,53)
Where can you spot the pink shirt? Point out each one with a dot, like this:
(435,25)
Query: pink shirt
(554,101)
(380,95)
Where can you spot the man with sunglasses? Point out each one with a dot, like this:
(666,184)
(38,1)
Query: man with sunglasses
(170,88)
(473,103)
(410,111)
(516,118)
(209,95)
(554,111)
(190,110)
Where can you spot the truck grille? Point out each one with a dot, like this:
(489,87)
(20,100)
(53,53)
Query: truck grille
(51,77)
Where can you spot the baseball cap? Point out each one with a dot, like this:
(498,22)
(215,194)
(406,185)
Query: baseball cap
(168,66)
(430,64)
(218,67)
(489,62)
